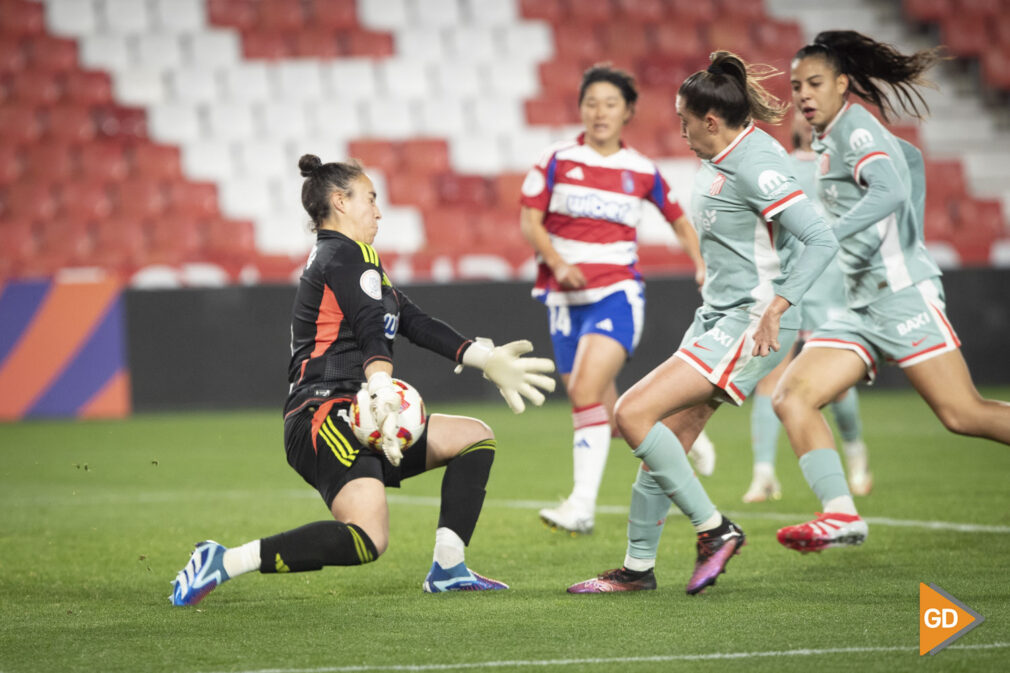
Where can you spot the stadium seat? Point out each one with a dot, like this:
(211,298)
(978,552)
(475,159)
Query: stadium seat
(644,11)
(159,52)
(692,11)
(464,190)
(263,157)
(645,139)
(591,11)
(425,155)
(367,43)
(12,56)
(512,79)
(679,39)
(321,43)
(156,162)
(562,76)
(70,123)
(476,153)
(11,164)
(450,229)
(332,14)
(139,198)
(246,83)
(403,79)
(435,14)
(578,42)
(86,200)
(440,116)
(52,161)
(625,39)
(71,17)
(214,49)
(996,66)
(209,160)
(383,14)
(928,10)
(34,88)
(104,161)
(280,15)
(179,16)
(490,12)
(413,189)
(552,11)
(18,241)
(139,86)
(127,17)
(499,116)
(732,35)
(193,200)
(171,241)
(32,200)
(506,189)
(64,242)
(269,46)
(742,10)
(20,18)
(229,121)
(53,54)
(299,80)
(119,244)
(778,41)
(239,14)
(228,239)
(244,197)
(458,79)
(189,84)
(944,180)
(552,111)
(121,122)
(20,123)
(87,87)
(965,35)
(381,154)
(286,120)
(986,8)
(474,44)
(102,51)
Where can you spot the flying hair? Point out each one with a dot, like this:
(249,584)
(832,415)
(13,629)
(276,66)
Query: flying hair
(732,89)
(874,67)
(321,180)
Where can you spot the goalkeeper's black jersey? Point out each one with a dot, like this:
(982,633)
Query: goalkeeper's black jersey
(346,315)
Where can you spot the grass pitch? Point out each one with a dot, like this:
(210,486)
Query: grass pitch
(99,516)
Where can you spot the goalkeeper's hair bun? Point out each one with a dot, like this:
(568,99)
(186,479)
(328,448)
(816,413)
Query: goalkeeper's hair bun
(309,165)
(321,180)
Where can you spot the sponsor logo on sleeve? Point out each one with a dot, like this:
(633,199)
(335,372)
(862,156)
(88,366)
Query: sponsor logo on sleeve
(772,183)
(860,139)
(371,283)
(391,323)
(534,183)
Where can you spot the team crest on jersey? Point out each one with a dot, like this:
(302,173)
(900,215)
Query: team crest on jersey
(860,139)
(824,163)
(371,283)
(627,182)
(771,182)
(717,184)
(534,183)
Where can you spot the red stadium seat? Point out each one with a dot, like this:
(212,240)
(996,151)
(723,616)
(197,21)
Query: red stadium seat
(119,244)
(20,124)
(86,200)
(64,242)
(928,10)
(625,39)
(428,155)
(332,14)
(1001,30)
(578,41)
(381,154)
(272,46)
(644,139)
(70,123)
(228,240)
(240,14)
(663,72)
(778,41)
(656,108)
(650,11)
(35,87)
(12,164)
(18,240)
(907,132)
(316,43)
(693,11)
(996,66)
(552,11)
(944,180)
(464,190)
(103,160)
(115,121)
(281,15)
(160,162)
(20,18)
(738,10)
(53,162)
(140,198)
(87,87)
(451,230)
(732,35)
(552,111)
(367,43)
(987,8)
(12,56)
(680,39)
(562,76)
(965,35)
(172,240)
(413,189)
(31,201)
(197,200)
(55,54)
(938,224)
(591,11)
(507,188)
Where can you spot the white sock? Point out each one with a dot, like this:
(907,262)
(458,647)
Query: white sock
(639,564)
(842,504)
(244,559)
(448,548)
(855,456)
(764,470)
(590,446)
(710,523)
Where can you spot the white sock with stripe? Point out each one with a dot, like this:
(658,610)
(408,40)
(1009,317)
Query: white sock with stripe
(590,447)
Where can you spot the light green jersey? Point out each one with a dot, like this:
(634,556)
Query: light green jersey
(828,291)
(751,216)
(888,254)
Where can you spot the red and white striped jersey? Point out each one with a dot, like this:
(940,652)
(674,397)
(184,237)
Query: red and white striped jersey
(592,208)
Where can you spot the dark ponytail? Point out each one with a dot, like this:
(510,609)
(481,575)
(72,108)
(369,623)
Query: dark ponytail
(732,89)
(868,64)
(321,180)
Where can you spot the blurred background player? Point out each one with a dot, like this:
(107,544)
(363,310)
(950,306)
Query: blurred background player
(345,317)
(764,245)
(825,299)
(873,188)
(581,206)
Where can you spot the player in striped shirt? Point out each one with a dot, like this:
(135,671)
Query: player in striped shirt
(763,245)
(581,206)
(872,186)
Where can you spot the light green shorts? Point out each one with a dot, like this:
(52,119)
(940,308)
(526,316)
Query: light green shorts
(904,328)
(718,345)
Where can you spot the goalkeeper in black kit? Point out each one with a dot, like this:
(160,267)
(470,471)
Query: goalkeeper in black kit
(345,317)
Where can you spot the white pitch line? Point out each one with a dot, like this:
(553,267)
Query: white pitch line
(659,658)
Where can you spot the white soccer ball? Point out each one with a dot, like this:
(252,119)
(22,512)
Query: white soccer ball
(413,418)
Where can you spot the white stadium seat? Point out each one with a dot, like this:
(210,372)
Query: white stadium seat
(247,82)
(180,15)
(383,14)
(400,231)
(194,84)
(473,43)
(159,51)
(476,154)
(298,80)
(208,160)
(435,13)
(404,79)
(457,78)
(174,123)
(335,119)
(420,44)
(71,17)
(499,115)
(511,78)
(351,78)
(491,12)
(389,118)
(440,116)
(138,86)
(213,49)
(527,41)
(229,121)
(125,16)
(264,157)
(245,197)
(105,52)
(522,150)
(281,120)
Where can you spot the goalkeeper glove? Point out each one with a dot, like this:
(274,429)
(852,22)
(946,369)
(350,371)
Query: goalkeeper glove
(515,376)
(386,412)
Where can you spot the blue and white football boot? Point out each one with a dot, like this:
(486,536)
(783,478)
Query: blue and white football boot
(201,575)
(458,578)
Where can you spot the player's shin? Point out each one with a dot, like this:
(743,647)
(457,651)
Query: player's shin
(590,446)
(822,469)
(668,464)
(649,507)
(463,484)
(314,545)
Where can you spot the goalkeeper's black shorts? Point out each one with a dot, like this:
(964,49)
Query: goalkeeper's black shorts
(322,448)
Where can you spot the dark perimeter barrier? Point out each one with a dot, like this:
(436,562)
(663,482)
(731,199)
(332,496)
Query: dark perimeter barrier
(228,348)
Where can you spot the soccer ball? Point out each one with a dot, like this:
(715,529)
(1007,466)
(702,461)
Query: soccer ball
(413,417)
